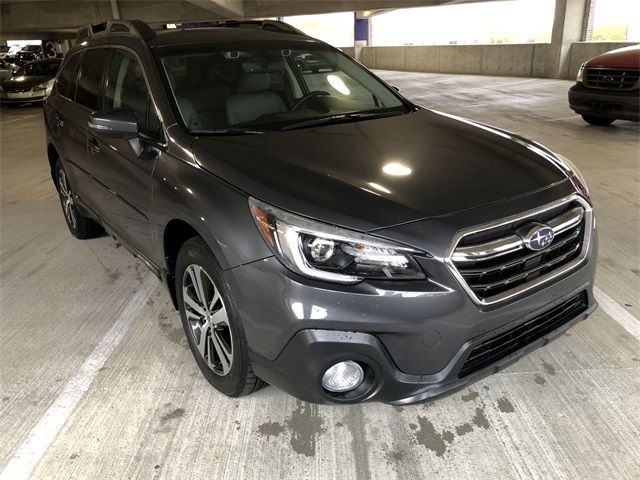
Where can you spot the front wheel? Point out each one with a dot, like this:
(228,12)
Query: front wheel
(80,226)
(599,121)
(211,321)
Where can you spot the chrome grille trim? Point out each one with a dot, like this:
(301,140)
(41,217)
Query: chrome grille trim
(611,78)
(513,243)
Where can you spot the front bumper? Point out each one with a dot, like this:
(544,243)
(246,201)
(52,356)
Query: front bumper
(22,97)
(416,342)
(298,370)
(622,105)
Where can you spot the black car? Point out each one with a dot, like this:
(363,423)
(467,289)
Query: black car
(29,53)
(318,232)
(30,83)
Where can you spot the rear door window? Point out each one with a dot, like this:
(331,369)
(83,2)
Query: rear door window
(88,91)
(65,83)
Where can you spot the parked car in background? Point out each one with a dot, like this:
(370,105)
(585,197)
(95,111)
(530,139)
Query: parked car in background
(608,88)
(5,70)
(29,53)
(307,62)
(31,83)
(4,51)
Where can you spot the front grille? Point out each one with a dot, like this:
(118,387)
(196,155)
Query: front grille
(611,79)
(512,340)
(17,89)
(496,261)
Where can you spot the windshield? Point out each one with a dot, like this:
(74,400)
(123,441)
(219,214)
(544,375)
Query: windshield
(267,88)
(4,49)
(48,68)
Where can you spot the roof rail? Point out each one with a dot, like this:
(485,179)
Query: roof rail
(134,27)
(270,25)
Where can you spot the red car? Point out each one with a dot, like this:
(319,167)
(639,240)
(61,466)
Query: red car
(607,87)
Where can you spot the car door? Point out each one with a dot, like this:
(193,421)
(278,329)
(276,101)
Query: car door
(76,98)
(124,166)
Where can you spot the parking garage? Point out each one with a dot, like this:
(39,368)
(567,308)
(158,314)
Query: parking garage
(97,377)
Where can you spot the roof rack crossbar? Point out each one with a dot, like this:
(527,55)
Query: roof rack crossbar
(134,27)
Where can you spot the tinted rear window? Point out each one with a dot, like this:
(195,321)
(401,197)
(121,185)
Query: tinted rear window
(65,83)
(87,93)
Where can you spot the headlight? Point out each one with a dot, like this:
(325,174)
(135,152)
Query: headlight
(42,86)
(49,88)
(580,76)
(576,176)
(328,253)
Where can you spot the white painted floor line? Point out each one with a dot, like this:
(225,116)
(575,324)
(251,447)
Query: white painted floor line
(616,311)
(26,117)
(43,434)
(575,116)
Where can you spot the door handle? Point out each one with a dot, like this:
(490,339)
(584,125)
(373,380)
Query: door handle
(59,119)
(94,148)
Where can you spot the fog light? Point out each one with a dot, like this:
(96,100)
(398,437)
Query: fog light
(342,377)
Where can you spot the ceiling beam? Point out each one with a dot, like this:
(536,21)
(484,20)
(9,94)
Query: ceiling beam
(223,8)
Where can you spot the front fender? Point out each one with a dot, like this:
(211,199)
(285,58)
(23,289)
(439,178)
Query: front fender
(216,210)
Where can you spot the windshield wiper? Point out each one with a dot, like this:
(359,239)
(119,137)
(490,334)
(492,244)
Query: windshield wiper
(345,117)
(229,131)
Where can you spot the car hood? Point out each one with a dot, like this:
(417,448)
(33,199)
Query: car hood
(26,80)
(627,57)
(377,173)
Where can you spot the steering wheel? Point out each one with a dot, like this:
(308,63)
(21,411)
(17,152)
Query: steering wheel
(309,96)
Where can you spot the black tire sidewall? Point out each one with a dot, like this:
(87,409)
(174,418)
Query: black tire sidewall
(75,231)
(195,251)
(598,121)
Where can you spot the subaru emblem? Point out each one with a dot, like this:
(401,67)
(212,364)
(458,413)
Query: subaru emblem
(538,237)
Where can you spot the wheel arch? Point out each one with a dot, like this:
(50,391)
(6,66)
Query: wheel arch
(176,232)
(53,156)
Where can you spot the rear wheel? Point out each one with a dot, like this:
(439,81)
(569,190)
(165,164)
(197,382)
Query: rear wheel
(80,226)
(211,322)
(600,121)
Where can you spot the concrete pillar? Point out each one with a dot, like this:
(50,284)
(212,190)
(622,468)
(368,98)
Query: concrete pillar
(115,11)
(568,27)
(361,34)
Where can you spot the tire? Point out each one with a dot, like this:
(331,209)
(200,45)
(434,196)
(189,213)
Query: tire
(80,226)
(222,355)
(599,121)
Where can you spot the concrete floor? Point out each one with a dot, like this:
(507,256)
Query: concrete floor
(85,316)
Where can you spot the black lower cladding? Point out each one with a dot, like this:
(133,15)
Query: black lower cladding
(505,343)
(623,105)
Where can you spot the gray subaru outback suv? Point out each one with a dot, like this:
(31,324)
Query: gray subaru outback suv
(315,229)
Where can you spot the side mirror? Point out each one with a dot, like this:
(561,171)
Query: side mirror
(117,123)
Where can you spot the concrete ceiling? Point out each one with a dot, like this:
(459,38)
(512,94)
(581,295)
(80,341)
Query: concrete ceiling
(52,19)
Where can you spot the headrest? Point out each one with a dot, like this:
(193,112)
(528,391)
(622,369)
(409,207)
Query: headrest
(255,67)
(255,82)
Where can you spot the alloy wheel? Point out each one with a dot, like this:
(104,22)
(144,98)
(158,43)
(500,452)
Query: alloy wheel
(66,196)
(208,319)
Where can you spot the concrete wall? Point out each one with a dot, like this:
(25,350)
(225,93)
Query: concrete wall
(510,60)
(521,60)
(583,51)
(351,51)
